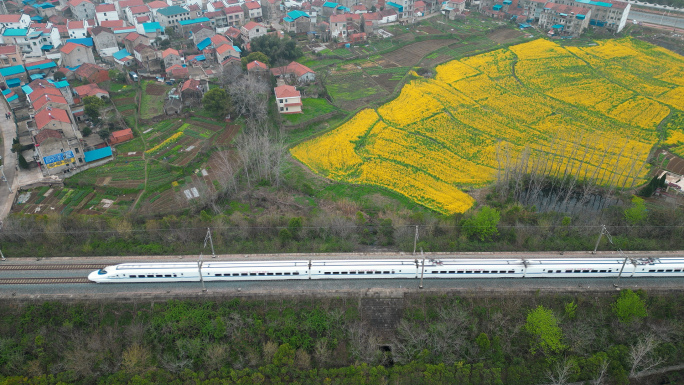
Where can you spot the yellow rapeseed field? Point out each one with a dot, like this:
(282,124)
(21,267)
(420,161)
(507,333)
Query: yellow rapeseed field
(589,111)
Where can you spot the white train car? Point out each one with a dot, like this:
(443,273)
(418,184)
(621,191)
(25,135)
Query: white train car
(255,270)
(659,267)
(573,268)
(364,268)
(147,272)
(474,268)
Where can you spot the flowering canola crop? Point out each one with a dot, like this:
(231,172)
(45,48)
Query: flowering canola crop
(591,112)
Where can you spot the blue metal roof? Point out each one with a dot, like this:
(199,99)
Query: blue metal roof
(198,58)
(204,44)
(27,89)
(41,66)
(15,32)
(599,3)
(86,41)
(237,49)
(36,18)
(557,26)
(121,54)
(14,82)
(61,84)
(97,154)
(193,21)
(329,4)
(343,8)
(12,97)
(498,7)
(127,30)
(400,8)
(37,76)
(172,10)
(74,68)
(44,5)
(296,14)
(288,19)
(13,70)
(152,27)
(47,47)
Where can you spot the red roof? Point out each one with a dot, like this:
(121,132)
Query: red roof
(132,36)
(44,134)
(10,18)
(286,92)
(419,4)
(75,3)
(256,65)
(223,48)
(170,51)
(156,4)
(218,5)
(252,5)
(105,8)
(252,24)
(123,4)
(44,99)
(219,40)
(232,32)
(88,69)
(39,92)
(214,14)
(139,9)
(122,133)
(46,116)
(142,19)
(112,23)
(68,47)
(233,9)
(193,7)
(177,70)
(338,18)
(8,49)
(191,84)
(89,90)
(75,24)
(296,68)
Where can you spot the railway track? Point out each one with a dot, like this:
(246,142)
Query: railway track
(42,281)
(54,267)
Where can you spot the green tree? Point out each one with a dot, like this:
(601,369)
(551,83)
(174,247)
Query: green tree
(284,356)
(637,212)
(483,341)
(294,226)
(542,325)
(483,224)
(104,134)
(23,163)
(629,306)
(92,106)
(277,49)
(570,309)
(216,101)
(255,56)
(58,76)
(86,131)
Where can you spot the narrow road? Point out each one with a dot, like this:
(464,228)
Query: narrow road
(9,131)
(661,19)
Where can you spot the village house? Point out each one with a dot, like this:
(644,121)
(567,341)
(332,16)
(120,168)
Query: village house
(77,29)
(191,92)
(252,10)
(171,16)
(157,5)
(252,30)
(213,6)
(92,73)
(90,90)
(49,101)
(82,9)
(104,40)
(105,12)
(134,14)
(153,30)
(40,69)
(288,99)
(258,69)
(120,136)
(170,57)
(235,15)
(201,32)
(453,8)
(123,58)
(147,57)
(122,5)
(73,55)
(133,39)
(13,76)
(226,51)
(177,71)
(15,21)
(217,19)
(297,22)
(111,24)
(564,20)
(338,27)
(195,11)
(296,72)
(10,55)
(121,32)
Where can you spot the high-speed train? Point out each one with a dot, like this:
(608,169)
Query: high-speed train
(389,268)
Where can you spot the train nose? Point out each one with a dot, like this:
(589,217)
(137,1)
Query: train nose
(93,276)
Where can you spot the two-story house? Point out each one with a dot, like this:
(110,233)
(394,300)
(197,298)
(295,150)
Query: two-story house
(73,55)
(104,40)
(288,99)
(252,10)
(105,12)
(82,9)
(252,30)
(171,16)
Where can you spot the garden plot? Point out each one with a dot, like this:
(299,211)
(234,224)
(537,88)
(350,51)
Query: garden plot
(152,99)
(410,55)
(505,35)
(354,89)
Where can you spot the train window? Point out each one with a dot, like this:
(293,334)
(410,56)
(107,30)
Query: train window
(452,272)
(150,275)
(133,276)
(511,271)
(269,273)
(378,272)
(344,272)
(558,271)
(435,272)
(386,272)
(678,270)
(289,273)
(236,274)
(174,275)
(252,273)
(602,271)
(328,273)
(219,275)
(578,271)
(550,271)
(660,270)
(295,273)
(352,272)
(460,271)
(443,272)
(279,273)
(485,271)
(594,271)
(652,271)
(244,274)
(585,271)
(568,271)
(262,273)
(469,271)
(167,275)
(668,271)
(336,272)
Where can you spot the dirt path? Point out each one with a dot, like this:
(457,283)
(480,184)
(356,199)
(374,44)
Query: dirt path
(142,137)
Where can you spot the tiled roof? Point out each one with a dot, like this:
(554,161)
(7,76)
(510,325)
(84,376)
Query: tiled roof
(75,3)
(123,4)
(89,90)
(139,9)
(191,84)
(256,65)
(10,18)
(122,133)
(218,4)
(141,47)
(156,4)
(75,24)
(68,47)
(566,9)
(233,9)
(286,92)
(88,69)
(214,14)
(223,48)
(171,11)
(252,24)
(142,19)
(252,5)
(45,134)
(296,68)
(44,99)
(218,40)
(8,49)
(132,36)
(46,116)
(98,30)
(105,8)
(170,51)
(112,23)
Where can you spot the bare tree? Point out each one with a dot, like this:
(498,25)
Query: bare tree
(560,373)
(602,373)
(641,355)
(363,343)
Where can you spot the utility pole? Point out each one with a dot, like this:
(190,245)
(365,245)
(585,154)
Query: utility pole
(603,231)
(415,241)
(423,270)
(211,242)
(2,256)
